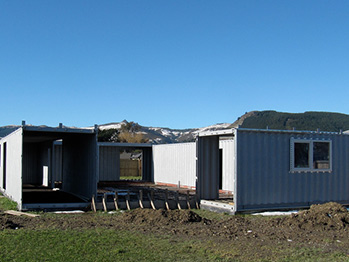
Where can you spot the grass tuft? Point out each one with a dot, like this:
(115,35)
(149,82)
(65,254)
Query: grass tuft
(7,204)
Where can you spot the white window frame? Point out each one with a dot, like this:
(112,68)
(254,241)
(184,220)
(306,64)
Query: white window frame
(311,155)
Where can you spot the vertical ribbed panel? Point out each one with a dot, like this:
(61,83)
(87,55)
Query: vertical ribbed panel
(208,166)
(147,165)
(13,165)
(175,164)
(264,178)
(228,164)
(57,163)
(80,164)
(30,168)
(109,163)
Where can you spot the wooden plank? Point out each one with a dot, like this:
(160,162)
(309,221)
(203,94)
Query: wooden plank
(188,200)
(93,204)
(18,213)
(151,197)
(104,203)
(166,200)
(116,201)
(196,201)
(177,200)
(128,200)
(140,198)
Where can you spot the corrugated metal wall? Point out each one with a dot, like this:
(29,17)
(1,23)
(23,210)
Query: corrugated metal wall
(175,164)
(264,179)
(13,165)
(208,167)
(57,162)
(80,164)
(228,164)
(35,157)
(109,163)
(147,164)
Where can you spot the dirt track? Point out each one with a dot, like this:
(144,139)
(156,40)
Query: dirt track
(322,226)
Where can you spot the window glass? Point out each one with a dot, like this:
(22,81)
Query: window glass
(321,155)
(301,155)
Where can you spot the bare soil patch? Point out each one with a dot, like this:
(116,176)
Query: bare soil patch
(322,226)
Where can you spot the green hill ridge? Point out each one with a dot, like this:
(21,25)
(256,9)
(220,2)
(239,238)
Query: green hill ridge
(325,121)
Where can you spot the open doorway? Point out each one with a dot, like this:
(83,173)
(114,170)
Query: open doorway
(125,161)
(131,164)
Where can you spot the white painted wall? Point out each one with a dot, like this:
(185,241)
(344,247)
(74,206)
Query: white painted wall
(175,163)
(14,143)
(228,164)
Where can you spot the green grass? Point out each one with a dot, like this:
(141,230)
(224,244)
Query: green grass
(7,204)
(131,178)
(99,245)
(112,245)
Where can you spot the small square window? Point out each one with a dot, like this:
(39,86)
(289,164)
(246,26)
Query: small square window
(310,155)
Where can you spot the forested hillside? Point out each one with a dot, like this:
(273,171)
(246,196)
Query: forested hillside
(325,121)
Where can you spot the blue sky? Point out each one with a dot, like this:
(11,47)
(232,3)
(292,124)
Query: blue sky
(177,64)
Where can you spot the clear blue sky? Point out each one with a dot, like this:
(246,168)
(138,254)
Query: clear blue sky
(174,63)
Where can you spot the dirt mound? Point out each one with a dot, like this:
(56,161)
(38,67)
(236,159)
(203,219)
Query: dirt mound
(7,223)
(329,216)
(161,216)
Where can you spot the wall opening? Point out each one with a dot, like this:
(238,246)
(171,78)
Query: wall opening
(131,164)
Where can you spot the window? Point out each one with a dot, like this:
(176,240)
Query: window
(311,155)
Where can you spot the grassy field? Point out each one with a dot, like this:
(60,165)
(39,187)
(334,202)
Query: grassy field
(97,245)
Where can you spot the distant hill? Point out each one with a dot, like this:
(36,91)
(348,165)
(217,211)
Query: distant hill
(311,121)
(325,121)
(165,135)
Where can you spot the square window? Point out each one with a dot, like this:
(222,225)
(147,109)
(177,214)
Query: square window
(310,155)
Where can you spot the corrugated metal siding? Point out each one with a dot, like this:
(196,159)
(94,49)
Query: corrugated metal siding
(264,179)
(30,163)
(109,163)
(175,163)
(80,164)
(228,164)
(57,163)
(208,166)
(147,165)
(13,165)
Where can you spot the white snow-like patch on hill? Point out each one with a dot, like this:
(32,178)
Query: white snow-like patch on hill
(110,126)
(212,127)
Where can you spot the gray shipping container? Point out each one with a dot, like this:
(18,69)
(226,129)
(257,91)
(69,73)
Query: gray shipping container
(276,169)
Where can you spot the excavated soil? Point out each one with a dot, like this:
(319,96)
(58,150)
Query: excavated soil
(322,226)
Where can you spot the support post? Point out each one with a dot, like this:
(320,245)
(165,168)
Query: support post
(188,200)
(128,200)
(93,204)
(104,201)
(116,201)
(177,200)
(151,197)
(166,200)
(140,198)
